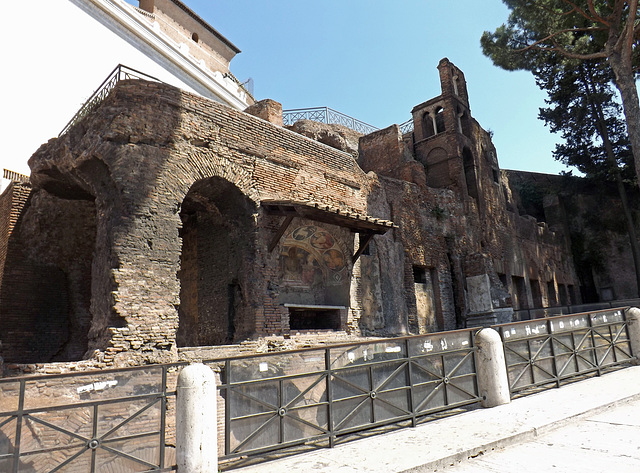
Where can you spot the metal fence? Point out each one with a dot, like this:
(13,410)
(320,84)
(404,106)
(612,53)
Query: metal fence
(326,115)
(406,127)
(122,420)
(280,400)
(529,314)
(549,351)
(110,420)
(119,73)
(116,420)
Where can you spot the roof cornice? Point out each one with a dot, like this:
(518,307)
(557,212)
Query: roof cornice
(128,23)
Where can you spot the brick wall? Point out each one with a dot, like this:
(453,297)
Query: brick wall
(142,152)
(12,202)
(180,243)
(45,290)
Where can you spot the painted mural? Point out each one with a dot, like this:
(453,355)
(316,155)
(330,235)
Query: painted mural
(311,257)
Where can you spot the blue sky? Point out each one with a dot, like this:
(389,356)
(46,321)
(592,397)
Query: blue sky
(371,59)
(375,60)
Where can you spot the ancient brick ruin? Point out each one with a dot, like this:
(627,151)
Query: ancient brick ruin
(164,220)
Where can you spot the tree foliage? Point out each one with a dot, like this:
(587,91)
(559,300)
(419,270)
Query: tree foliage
(582,109)
(604,32)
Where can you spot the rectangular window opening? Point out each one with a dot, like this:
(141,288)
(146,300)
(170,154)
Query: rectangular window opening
(419,275)
(306,319)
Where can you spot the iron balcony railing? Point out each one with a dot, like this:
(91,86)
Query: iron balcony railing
(119,73)
(15,177)
(326,115)
(406,127)
(122,72)
(546,352)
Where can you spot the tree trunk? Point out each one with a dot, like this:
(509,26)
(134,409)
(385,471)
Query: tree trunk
(619,49)
(613,165)
(626,84)
(628,217)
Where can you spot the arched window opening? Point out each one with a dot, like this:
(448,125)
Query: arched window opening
(463,122)
(195,37)
(428,128)
(440,127)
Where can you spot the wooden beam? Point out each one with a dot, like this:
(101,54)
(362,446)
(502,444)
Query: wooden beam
(281,230)
(353,221)
(362,247)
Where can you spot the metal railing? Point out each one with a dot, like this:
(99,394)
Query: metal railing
(529,314)
(406,127)
(119,73)
(109,420)
(315,395)
(546,352)
(15,176)
(326,115)
(116,420)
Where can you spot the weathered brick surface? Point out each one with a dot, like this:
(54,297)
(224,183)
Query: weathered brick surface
(138,157)
(12,202)
(589,216)
(462,222)
(268,110)
(170,245)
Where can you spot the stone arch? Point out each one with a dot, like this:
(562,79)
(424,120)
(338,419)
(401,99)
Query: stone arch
(218,247)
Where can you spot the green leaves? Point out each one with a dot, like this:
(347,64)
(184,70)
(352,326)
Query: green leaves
(578,49)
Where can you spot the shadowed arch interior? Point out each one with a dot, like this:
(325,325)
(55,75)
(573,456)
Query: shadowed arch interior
(218,233)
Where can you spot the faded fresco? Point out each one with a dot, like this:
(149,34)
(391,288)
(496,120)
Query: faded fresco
(312,258)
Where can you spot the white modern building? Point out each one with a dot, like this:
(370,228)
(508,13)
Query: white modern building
(57,52)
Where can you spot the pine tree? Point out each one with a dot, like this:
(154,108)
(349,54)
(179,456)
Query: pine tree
(582,108)
(607,31)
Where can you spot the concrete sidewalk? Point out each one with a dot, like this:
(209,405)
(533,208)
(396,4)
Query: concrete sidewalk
(435,445)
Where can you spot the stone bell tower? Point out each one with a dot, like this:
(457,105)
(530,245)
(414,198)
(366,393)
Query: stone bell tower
(443,134)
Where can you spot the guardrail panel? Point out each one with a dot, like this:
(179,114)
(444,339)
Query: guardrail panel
(271,412)
(443,370)
(547,351)
(610,337)
(99,421)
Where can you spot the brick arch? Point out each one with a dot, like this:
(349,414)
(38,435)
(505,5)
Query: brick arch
(437,155)
(437,166)
(216,271)
(183,174)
